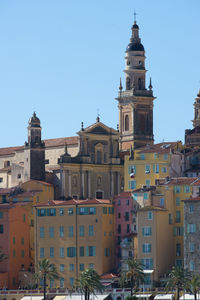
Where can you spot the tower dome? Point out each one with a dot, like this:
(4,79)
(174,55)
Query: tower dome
(135,42)
(34,121)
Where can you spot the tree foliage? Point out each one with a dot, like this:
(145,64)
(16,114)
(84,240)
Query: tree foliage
(89,283)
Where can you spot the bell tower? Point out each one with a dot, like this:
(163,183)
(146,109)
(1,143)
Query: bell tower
(135,103)
(196,121)
(34,151)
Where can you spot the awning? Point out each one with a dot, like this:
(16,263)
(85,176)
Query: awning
(164,296)
(32,298)
(188,297)
(81,297)
(59,297)
(143,295)
(148,271)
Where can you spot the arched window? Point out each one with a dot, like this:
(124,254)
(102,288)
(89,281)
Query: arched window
(99,157)
(126,123)
(128,83)
(139,84)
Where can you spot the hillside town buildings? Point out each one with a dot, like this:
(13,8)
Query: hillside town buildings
(104,196)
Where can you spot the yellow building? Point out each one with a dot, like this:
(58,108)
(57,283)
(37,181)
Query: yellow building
(75,235)
(147,164)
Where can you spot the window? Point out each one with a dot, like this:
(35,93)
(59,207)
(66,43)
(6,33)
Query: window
(119,215)
(147,231)
(145,196)
(147,263)
(106,251)
(71,267)
(1,179)
(147,169)
(91,230)
(4,199)
(178,231)
(146,248)
(162,202)
(104,210)
(170,218)
(178,201)
(90,251)
(41,212)
(178,249)
(51,212)
(71,231)
(99,157)
(126,123)
(192,266)
(178,216)
(70,211)
(51,281)
(41,232)
(14,240)
(191,228)
(81,251)
(165,156)
(62,252)
(149,215)
(41,252)
(119,228)
(81,230)
(177,189)
(156,155)
(81,267)
(1,215)
(142,156)
(14,253)
(71,251)
(132,184)
(126,216)
(186,189)
(61,231)
(62,282)
(1,228)
(147,182)
(61,211)
(91,266)
(51,232)
(164,170)
(156,168)
(99,195)
(62,267)
(118,202)
(127,202)
(132,170)
(192,247)
(22,253)
(22,241)
(179,262)
(71,281)
(92,210)
(51,252)
(127,228)
(191,209)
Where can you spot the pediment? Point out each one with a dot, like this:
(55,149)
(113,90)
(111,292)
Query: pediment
(99,128)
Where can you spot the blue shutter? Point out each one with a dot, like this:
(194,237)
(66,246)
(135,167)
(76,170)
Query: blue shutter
(94,251)
(87,251)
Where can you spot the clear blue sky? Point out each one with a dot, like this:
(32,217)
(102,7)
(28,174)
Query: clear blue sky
(64,59)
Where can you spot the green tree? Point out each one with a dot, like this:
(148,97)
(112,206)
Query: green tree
(2,256)
(46,270)
(133,276)
(178,279)
(89,283)
(194,285)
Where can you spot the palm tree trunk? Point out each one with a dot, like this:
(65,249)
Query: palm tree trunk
(45,284)
(195,296)
(178,293)
(131,288)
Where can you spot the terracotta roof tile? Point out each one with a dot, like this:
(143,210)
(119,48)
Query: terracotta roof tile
(75,202)
(191,199)
(48,143)
(160,148)
(181,181)
(196,182)
(109,276)
(123,194)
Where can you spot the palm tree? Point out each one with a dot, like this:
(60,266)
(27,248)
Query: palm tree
(194,285)
(46,270)
(178,279)
(133,275)
(89,282)
(2,256)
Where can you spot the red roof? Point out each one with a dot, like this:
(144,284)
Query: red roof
(159,148)
(192,199)
(75,202)
(123,195)
(108,276)
(181,181)
(48,143)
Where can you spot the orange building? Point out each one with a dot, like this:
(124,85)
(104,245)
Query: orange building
(14,242)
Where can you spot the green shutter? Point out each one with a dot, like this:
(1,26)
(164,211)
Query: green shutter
(87,251)
(143,231)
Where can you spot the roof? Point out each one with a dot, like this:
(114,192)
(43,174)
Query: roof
(145,189)
(48,143)
(196,182)
(123,195)
(181,181)
(109,276)
(26,194)
(145,208)
(159,148)
(6,191)
(39,181)
(135,47)
(74,202)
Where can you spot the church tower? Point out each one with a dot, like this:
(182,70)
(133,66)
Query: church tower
(34,151)
(135,103)
(196,121)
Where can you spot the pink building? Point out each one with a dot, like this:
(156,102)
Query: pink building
(125,227)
